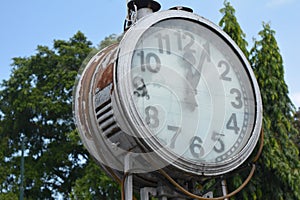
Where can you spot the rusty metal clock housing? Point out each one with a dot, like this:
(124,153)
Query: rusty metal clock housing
(176,93)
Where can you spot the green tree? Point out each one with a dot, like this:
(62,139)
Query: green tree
(36,102)
(109,40)
(231,26)
(91,186)
(279,165)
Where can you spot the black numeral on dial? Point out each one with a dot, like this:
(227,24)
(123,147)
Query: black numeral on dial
(140,87)
(164,40)
(239,103)
(232,124)
(177,131)
(146,63)
(219,146)
(196,148)
(224,75)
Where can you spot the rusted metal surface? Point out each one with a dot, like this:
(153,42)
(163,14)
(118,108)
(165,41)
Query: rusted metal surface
(98,68)
(105,77)
(104,72)
(86,82)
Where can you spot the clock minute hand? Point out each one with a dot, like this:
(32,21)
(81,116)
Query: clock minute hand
(193,76)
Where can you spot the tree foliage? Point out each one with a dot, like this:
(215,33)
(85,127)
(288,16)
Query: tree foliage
(94,184)
(36,102)
(280,161)
(109,40)
(231,26)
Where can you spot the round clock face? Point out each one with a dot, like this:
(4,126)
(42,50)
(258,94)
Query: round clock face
(192,95)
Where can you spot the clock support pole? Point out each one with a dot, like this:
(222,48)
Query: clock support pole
(128,179)
(162,192)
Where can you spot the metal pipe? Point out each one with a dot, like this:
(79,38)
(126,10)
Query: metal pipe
(142,12)
(224,188)
(128,178)
(137,9)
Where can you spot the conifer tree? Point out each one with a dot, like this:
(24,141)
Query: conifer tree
(231,26)
(279,166)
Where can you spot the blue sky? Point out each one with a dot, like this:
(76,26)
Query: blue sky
(26,24)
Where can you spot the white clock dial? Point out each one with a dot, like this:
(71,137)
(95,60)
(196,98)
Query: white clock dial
(190,92)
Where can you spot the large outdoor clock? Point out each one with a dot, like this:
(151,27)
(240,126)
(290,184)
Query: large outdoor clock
(176,88)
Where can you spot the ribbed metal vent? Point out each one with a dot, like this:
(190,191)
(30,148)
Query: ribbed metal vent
(107,123)
(104,113)
(105,119)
